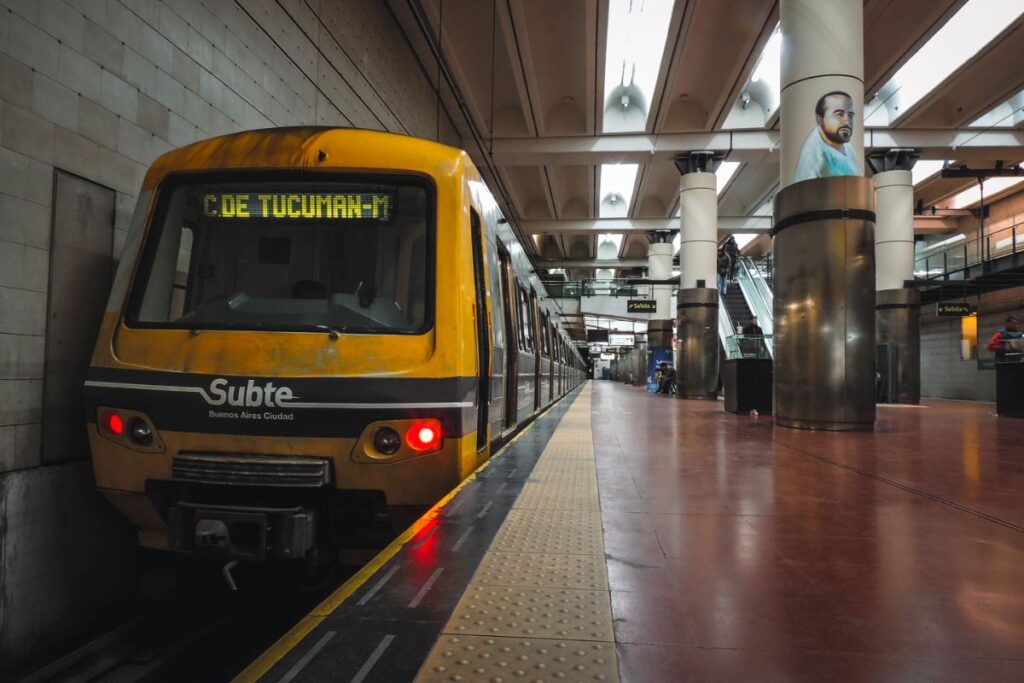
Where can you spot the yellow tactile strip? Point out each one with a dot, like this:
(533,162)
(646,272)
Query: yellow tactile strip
(501,660)
(538,607)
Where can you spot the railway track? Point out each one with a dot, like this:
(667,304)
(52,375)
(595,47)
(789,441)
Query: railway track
(202,632)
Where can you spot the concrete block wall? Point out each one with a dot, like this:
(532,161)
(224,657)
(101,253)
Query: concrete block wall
(99,88)
(943,374)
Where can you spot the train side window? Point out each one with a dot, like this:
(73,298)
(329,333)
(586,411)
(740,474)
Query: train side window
(525,320)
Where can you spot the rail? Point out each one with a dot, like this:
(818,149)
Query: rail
(960,253)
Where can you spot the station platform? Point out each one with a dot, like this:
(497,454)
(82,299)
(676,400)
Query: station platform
(634,537)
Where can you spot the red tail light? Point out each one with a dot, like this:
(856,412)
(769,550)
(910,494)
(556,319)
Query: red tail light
(113,424)
(424,436)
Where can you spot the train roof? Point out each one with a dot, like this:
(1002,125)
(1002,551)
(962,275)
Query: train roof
(306,147)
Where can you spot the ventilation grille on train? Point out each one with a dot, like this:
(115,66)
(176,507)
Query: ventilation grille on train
(252,470)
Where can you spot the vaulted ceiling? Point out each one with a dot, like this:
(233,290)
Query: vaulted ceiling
(525,87)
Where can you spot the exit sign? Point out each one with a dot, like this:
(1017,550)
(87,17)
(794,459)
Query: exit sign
(955,310)
(641,306)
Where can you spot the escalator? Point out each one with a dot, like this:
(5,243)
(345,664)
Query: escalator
(750,296)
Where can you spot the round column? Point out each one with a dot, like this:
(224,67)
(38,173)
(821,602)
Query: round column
(894,229)
(697,300)
(659,328)
(698,232)
(897,310)
(822,105)
(824,322)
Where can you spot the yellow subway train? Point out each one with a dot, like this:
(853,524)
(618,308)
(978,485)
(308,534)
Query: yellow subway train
(308,324)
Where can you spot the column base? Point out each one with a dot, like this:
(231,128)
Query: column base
(825,426)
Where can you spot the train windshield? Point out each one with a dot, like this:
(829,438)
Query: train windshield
(349,255)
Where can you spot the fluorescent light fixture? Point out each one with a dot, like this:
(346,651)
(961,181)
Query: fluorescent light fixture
(725,172)
(963,36)
(634,48)
(617,182)
(925,169)
(972,195)
(1007,115)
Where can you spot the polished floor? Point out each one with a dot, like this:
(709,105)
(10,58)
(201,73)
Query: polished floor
(738,550)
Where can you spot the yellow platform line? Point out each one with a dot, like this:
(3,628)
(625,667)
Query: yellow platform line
(295,635)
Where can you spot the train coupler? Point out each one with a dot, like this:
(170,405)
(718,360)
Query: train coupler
(231,533)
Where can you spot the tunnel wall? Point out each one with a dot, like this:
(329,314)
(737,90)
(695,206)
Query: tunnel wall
(943,373)
(98,89)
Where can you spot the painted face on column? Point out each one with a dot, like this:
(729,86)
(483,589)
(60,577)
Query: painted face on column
(836,117)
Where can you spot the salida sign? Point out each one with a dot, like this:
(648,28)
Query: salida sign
(955,310)
(641,306)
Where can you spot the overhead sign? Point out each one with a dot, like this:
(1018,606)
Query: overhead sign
(955,310)
(641,306)
(615,339)
(299,206)
(598,336)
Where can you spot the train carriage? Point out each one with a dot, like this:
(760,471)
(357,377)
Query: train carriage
(308,322)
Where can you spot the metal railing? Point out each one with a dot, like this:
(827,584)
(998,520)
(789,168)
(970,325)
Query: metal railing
(958,257)
(574,289)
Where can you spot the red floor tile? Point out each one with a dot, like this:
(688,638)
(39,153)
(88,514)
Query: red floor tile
(742,551)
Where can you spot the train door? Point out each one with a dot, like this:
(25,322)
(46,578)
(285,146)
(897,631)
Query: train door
(508,306)
(483,332)
(552,360)
(538,333)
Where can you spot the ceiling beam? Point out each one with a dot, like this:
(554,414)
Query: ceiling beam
(591,263)
(726,225)
(745,145)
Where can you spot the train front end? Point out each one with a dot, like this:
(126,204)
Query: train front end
(281,360)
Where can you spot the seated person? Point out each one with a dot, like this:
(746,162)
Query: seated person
(1000,340)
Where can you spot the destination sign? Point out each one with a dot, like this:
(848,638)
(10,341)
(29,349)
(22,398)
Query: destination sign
(641,306)
(299,206)
(955,310)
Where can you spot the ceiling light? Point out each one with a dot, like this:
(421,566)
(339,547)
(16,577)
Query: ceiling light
(963,36)
(616,192)
(634,47)
(762,88)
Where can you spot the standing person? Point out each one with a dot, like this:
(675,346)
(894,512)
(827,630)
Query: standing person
(670,379)
(1000,340)
(752,328)
(724,266)
(732,250)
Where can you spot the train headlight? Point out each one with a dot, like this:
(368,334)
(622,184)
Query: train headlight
(424,436)
(387,441)
(140,431)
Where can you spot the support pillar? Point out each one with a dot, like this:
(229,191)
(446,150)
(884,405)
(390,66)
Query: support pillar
(897,307)
(659,329)
(824,374)
(697,303)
